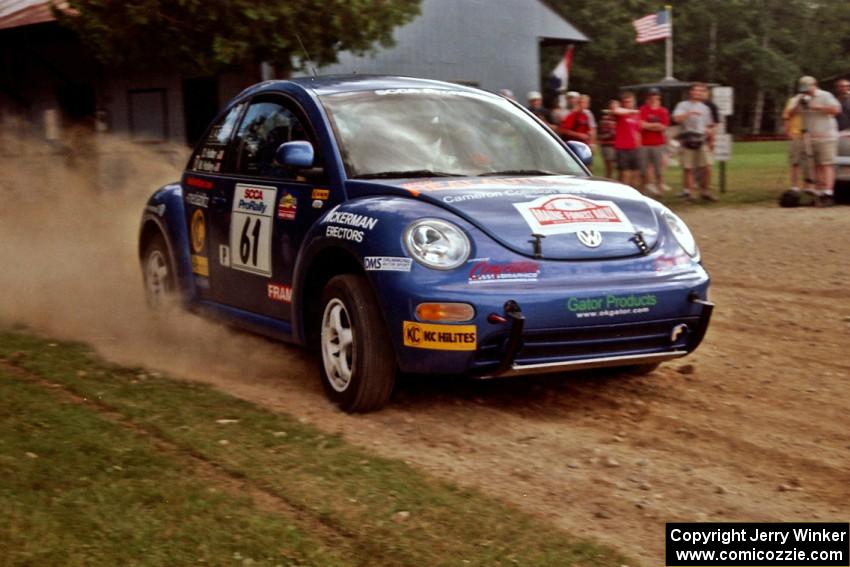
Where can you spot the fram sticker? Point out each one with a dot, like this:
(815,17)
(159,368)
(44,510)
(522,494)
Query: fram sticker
(199,183)
(561,214)
(439,337)
(321,194)
(387,264)
(278,292)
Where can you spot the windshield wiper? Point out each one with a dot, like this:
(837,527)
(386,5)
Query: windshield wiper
(518,172)
(408,173)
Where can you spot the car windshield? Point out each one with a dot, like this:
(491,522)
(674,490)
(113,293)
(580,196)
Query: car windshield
(434,133)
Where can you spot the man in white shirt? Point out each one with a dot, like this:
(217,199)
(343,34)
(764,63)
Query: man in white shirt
(818,109)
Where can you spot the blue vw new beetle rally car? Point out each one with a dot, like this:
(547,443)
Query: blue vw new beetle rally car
(408,225)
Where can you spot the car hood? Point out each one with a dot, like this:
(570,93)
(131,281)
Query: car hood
(576,218)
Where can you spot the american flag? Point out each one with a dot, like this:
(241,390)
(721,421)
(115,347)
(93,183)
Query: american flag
(653,27)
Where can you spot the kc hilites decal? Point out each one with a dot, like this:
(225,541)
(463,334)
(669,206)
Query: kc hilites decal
(564,214)
(251,229)
(439,337)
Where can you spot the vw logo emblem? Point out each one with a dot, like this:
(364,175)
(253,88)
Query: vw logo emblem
(590,237)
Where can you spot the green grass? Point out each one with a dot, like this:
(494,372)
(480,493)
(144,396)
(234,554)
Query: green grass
(103,491)
(757,173)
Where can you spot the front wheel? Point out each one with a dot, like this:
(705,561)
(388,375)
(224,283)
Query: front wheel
(358,363)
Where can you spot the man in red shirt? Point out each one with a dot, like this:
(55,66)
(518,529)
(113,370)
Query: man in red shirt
(654,120)
(627,139)
(579,124)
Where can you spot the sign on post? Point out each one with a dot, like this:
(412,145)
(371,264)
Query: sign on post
(723,147)
(724,98)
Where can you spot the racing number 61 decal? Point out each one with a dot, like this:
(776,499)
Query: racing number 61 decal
(251,228)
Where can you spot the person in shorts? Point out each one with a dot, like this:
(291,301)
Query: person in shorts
(799,160)
(697,124)
(627,139)
(654,120)
(818,109)
(605,136)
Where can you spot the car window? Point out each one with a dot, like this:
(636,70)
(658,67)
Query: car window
(398,131)
(268,124)
(212,153)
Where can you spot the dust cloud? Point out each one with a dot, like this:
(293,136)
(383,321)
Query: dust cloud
(69,267)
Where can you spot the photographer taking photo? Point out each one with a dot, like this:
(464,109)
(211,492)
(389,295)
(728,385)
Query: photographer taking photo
(818,109)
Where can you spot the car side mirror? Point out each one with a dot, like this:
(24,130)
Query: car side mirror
(295,154)
(582,151)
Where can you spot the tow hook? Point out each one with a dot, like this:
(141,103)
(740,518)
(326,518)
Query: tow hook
(707,308)
(513,343)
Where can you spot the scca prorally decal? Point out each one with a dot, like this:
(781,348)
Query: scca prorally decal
(517,271)
(251,229)
(278,292)
(439,337)
(611,305)
(201,200)
(562,214)
(387,264)
(351,219)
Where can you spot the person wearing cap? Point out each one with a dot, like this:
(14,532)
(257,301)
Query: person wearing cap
(654,120)
(507,93)
(572,100)
(799,158)
(818,109)
(535,105)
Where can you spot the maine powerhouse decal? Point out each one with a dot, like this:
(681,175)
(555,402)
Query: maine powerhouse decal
(565,214)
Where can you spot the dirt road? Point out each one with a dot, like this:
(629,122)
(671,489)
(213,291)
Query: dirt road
(754,426)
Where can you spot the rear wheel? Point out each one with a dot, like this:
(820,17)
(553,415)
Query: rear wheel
(358,363)
(160,288)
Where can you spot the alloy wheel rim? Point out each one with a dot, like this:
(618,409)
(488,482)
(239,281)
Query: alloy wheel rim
(337,345)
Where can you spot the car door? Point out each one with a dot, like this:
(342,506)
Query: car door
(257,228)
(204,185)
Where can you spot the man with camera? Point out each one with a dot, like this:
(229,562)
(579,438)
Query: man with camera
(817,109)
(697,135)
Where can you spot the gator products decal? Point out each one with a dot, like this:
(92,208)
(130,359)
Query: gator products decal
(439,337)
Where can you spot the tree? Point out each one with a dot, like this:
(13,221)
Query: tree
(203,37)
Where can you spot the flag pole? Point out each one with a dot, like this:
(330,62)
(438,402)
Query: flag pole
(668,44)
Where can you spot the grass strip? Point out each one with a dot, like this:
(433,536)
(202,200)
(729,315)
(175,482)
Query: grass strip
(386,511)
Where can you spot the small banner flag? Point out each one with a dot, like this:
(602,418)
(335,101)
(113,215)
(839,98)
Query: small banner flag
(653,27)
(562,70)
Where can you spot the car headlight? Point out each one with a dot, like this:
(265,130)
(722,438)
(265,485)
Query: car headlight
(436,244)
(681,232)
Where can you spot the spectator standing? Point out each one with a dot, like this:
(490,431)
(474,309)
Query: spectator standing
(605,134)
(535,105)
(627,139)
(572,100)
(697,129)
(654,120)
(819,109)
(580,125)
(799,158)
(842,91)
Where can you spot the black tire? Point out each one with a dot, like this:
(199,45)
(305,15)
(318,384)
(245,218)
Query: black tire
(641,369)
(158,274)
(361,375)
